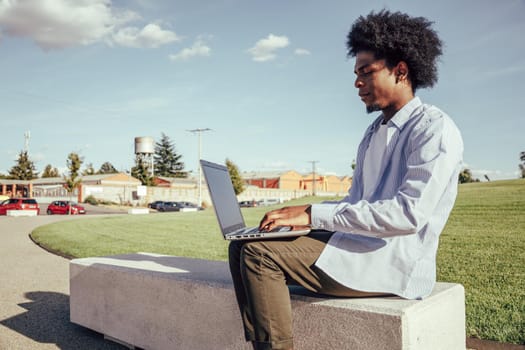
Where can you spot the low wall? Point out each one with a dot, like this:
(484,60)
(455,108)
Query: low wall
(127,194)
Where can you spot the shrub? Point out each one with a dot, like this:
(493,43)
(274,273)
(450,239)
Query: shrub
(91,200)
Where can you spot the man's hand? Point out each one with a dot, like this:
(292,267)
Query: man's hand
(288,216)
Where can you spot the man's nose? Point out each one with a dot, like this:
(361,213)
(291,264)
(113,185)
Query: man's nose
(358,82)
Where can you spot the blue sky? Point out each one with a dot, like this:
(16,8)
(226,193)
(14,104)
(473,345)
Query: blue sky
(270,78)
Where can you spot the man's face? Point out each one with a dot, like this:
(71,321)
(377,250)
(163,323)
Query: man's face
(375,81)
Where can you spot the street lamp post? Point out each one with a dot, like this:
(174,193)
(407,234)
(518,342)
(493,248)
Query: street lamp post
(313,176)
(199,132)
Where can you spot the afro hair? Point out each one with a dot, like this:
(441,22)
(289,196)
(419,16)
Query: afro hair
(398,37)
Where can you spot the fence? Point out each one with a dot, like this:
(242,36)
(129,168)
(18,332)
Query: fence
(124,194)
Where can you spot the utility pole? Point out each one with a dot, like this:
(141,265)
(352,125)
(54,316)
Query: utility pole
(313,173)
(199,132)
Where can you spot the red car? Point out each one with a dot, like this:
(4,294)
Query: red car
(62,207)
(19,204)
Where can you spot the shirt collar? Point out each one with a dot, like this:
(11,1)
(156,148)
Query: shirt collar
(403,115)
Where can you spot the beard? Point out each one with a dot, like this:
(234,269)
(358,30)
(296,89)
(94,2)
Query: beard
(373,108)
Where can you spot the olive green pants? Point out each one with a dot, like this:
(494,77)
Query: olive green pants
(261,271)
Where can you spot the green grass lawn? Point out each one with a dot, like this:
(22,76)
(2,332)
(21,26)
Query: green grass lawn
(482,247)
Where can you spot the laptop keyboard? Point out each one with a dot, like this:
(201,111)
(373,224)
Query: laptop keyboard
(275,229)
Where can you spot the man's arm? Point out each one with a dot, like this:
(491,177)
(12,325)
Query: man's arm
(432,165)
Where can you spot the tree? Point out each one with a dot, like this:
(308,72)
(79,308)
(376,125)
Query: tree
(107,168)
(141,171)
(24,168)
(89,170)
(49,171)
(167,161)
(522,165)
(74,162)
(465,176)
(238,184)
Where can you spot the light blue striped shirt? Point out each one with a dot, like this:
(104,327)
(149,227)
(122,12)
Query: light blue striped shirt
(388,243)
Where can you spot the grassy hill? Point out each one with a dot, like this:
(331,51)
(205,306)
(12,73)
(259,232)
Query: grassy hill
(482,247)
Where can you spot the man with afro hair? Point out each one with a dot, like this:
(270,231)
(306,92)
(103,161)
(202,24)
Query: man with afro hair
(382,238)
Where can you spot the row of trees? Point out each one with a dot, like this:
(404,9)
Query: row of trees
(166,163)
(25,169)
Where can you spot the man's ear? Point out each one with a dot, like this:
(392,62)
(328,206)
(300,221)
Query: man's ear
(401,71)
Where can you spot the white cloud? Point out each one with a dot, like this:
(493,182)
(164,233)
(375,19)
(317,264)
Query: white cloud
(302,52)
(199,48)
(151,36)
(264,49)
(57,24)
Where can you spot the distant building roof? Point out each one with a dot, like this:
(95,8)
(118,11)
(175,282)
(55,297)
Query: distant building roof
(109,178)
(115,178)
(266,174)
(13,182)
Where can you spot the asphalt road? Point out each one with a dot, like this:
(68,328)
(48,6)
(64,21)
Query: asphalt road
(34,293)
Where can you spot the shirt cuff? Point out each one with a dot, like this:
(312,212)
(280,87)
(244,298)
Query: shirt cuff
(322,216)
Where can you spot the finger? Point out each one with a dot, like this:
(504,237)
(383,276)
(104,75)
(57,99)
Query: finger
(265,222)
(268,217)
(266,227)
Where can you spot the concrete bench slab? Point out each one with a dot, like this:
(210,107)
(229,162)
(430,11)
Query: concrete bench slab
(26,212)
(136,211)
(164,302)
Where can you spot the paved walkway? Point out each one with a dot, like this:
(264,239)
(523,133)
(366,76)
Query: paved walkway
(34,293)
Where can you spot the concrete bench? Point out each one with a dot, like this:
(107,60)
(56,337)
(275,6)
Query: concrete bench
(135,211)
(163,302)
(25,212)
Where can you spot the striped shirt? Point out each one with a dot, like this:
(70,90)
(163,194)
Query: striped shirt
(388,242)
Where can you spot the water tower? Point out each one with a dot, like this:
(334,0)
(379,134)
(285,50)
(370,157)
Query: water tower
(145,149)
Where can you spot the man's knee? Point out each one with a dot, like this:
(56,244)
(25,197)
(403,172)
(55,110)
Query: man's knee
(247,251)
(256,255)
(252,249)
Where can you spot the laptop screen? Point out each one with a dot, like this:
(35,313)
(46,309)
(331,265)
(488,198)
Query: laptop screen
(223,197)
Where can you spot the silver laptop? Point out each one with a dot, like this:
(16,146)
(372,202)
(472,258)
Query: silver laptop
(228,210)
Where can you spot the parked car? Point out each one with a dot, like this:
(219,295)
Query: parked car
(155,205)
(191,205)
(248,204)
(169,206)
(179,206)
(269,201)
(19,204)
(62,207)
